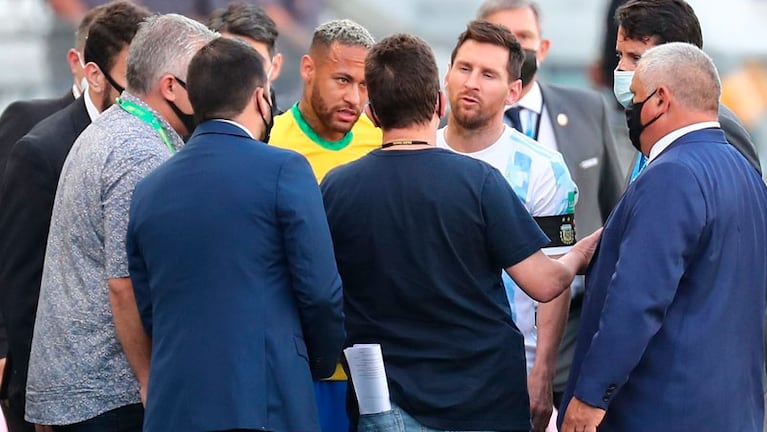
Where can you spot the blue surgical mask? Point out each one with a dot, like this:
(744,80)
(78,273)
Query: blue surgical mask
(621,86)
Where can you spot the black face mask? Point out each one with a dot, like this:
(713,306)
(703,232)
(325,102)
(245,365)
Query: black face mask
(634,121)
(90,56)
(112,82)
(529,66)
(268,124)
(186,119)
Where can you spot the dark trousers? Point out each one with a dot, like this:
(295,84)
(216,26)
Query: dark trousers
(15,421)
(129,418)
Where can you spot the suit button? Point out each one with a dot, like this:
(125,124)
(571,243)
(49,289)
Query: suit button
(612,387)
(605,399)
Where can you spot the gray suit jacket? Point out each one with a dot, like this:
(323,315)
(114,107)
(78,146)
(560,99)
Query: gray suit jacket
(581,124)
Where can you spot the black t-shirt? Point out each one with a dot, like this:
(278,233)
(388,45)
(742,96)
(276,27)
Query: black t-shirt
(420,238)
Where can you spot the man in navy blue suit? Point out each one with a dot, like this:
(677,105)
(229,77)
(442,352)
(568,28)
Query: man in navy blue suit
(671,332)
(232,265)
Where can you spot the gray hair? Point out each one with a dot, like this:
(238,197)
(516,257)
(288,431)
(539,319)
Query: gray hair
(489,7)
(164,44)
(688,73)
(345,32)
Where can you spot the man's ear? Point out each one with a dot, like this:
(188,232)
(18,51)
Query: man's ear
(95,77)
(515,91)
(543,50)
(276,67)
(307,68)
(168,86)
(441,107)
(663,97)
(372,115)
(73,59)
(261,98)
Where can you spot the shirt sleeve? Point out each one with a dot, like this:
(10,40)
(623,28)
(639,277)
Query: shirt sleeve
(119,179)
(554,196)
(511,232)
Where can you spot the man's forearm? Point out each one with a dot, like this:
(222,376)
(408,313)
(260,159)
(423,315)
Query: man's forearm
(551,320)
(135,342)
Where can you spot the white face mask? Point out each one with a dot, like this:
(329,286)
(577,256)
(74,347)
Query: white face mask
(83,85)
(621,85)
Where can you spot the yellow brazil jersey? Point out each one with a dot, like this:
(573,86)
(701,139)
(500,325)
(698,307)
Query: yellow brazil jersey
(292,132)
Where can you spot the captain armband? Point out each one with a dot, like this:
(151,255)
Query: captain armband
(560,230)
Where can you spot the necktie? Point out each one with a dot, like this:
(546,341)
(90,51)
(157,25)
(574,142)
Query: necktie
(513,120)
(638,167)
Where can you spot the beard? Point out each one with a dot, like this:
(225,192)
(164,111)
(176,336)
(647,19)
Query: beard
(107,100)
(326,113)
(471,119)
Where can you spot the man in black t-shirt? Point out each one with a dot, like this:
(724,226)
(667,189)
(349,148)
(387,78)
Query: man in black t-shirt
(420,237)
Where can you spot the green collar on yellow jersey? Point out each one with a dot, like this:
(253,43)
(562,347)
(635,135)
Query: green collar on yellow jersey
(306,129)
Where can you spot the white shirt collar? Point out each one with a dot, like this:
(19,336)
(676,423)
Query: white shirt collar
(93,112)
(663,143)
(76,91)
(232,122)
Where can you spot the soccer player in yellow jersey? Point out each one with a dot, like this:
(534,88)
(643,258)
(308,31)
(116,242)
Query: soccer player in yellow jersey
(327,125)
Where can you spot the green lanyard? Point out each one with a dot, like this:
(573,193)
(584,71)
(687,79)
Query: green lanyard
(141,113)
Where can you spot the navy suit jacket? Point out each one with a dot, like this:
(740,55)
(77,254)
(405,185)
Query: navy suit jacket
(671,330)
(27,192)
(236,281)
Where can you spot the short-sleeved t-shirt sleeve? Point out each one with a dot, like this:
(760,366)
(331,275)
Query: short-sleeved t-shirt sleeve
(512,233)
(121,174)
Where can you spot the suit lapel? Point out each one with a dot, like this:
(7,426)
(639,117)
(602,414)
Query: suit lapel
(560,119)
(80,118)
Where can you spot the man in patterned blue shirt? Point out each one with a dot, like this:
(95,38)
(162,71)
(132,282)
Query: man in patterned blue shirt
(480,83)
(79,377)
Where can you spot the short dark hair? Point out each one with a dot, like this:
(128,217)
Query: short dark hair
(662,20)
(246,20)
(111,31)
(402,80)
(221,78)
(486,32)
(81,33)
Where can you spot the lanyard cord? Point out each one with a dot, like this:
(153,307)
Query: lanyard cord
(142,114)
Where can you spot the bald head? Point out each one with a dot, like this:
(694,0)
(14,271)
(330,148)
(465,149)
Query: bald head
(688,73)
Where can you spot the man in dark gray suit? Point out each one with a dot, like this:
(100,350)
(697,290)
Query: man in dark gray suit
(574,122)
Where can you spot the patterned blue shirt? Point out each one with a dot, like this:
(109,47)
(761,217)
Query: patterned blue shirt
(77,368)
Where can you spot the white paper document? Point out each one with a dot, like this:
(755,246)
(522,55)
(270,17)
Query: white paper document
(369,377)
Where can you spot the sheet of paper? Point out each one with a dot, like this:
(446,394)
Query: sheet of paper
(369,376)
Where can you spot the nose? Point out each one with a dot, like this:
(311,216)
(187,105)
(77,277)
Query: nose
(472,80)
(354,95)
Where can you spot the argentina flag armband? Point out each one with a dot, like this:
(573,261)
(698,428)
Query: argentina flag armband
(560,229)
